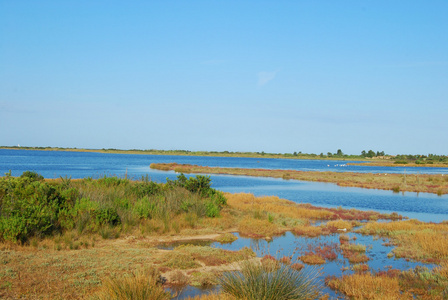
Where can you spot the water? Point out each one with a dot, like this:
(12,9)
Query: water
(423,206)
(54,164)
(294,246)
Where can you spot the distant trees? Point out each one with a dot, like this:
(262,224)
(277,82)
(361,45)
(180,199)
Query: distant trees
(372,153)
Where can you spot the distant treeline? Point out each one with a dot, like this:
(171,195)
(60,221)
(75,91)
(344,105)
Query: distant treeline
(369,154)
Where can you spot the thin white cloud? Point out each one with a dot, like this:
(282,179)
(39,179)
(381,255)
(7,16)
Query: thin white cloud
(264,77)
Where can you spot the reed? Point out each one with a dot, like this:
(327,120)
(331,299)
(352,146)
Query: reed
(256,281)
(144,284)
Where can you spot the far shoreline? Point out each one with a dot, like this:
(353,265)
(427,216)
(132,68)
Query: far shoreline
(385,161)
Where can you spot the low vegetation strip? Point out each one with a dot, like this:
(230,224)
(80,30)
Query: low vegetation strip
(427,183)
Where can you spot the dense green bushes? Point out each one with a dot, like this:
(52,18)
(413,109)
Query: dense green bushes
(31,206)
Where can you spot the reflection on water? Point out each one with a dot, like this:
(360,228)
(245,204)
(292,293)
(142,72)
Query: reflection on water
(294,246)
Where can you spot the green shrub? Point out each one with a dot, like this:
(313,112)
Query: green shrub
(145,188)
(28,207)
(112,181)
(33,207)
(33,176)
(200,184)
(144,208)
(212,209)
(217,197)
(106,216)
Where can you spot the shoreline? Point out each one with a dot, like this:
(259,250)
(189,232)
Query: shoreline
(193,153)
(360,161)
(426,183)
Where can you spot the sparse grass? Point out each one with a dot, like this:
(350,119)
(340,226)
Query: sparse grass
(312,259)
(308,230)
(353,248)
(317,254)
(355,253)
(226,238)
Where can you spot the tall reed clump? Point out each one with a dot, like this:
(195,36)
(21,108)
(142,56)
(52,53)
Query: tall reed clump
(143,284)
(258,281)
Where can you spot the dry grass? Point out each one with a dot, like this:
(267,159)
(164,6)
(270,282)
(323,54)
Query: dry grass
(143,284)
(252,227)
(212,296)
(312,259)
(367,286)
(45,273)
(308,230)
(415,239)
(273,204)
(340,225)
(67,274)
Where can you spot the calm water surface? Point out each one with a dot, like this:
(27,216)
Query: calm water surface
(425,207)
(54,164)
(294,246)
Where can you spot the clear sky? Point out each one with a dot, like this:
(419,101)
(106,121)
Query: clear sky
(272,76)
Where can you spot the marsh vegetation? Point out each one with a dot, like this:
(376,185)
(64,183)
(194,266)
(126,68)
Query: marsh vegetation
(99,239)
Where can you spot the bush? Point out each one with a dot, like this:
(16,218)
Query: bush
(112,181)
(144,208)
(28,207)
(31,206)
(33,176)
(199,184)
(212,209)
(106,216)
(145,188)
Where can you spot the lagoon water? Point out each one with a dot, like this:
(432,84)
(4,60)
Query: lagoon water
(55,164)
(423,206)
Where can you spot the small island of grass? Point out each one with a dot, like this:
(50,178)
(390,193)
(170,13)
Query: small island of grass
(428,183)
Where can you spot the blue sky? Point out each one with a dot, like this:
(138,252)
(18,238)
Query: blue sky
(273,76)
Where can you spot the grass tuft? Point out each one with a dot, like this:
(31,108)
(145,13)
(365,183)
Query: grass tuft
(144,284)
(258,281)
